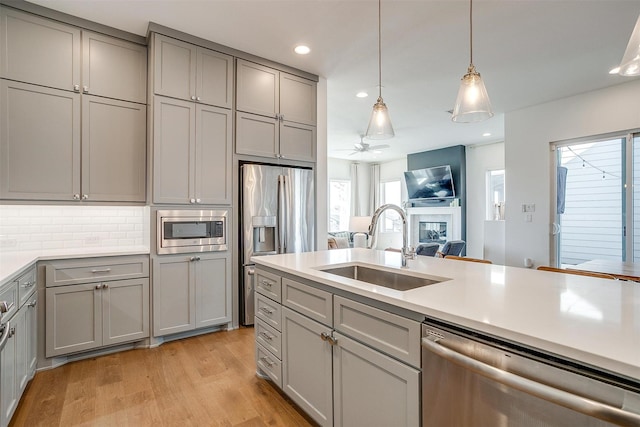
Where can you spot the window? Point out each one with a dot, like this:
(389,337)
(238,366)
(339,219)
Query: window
(495,194)
(339,204)
(391,192)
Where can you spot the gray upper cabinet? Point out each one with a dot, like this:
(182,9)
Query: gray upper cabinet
(185,71)
(109,148)
(39,142)
(114,68)
(276,113)
(191,153)
(39,51)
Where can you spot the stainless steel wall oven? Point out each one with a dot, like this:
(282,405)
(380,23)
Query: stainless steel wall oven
(180,231)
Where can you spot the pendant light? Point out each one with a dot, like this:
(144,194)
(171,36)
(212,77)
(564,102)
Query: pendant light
(630,65)
(380,122)
(472,104)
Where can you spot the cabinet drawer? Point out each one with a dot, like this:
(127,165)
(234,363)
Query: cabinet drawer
(269,311)
(26,285)
(269,338)
(9,294)
(394,335)
(311,302)
(269,364)
(269,284)
(70,272)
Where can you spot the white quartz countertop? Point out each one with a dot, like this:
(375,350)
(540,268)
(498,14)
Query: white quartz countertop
(13,263)
(593,321)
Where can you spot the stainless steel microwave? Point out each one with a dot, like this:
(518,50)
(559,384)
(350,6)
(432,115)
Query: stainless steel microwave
(181,231)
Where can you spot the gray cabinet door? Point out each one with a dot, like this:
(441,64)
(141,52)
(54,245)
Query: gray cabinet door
(298,99)
(39,143)
(214,144)
(125,311)
(8,379)
(365,378)
(214,78)
(38,50)
(32,332)
(258,89)
(174,296)
(73,319)
(114,68)
(173,150)
(174,68)
(297,141)
(22,345)
(307,366)
(213,290)
(114,149)
(257,135)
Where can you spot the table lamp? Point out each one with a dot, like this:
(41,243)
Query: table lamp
(360,226)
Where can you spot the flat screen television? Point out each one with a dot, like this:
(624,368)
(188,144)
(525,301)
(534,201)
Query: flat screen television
(430,183)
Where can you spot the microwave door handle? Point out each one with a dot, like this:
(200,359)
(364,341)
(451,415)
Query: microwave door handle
(281,215)
(580,404)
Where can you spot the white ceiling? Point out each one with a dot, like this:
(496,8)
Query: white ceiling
(528,52)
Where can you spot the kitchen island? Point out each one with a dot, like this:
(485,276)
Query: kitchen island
(594,322)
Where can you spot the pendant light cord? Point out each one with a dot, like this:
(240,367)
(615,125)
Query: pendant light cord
(470,32)
(379,49)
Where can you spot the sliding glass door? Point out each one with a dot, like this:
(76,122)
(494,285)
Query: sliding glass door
(597,200)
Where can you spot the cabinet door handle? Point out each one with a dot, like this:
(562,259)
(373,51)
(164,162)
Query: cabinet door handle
(28,284)
(85,196)
(98,286)
(76,88)
(192,200)
(33,303)
(85,89)
(76,197)
(193,97)
(192,258)
(198,98)
(104,270)
(12,331)
(198,258)
(105,286)
(198,200)
(328,338)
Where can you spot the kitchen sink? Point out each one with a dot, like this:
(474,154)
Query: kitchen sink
(388,279)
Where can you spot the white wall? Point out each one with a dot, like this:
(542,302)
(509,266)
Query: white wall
(394,170)
(480,159)
(528,133)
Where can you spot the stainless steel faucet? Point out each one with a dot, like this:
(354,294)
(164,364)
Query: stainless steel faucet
(407,251)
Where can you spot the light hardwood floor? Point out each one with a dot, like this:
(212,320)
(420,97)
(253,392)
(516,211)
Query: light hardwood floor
(208,380)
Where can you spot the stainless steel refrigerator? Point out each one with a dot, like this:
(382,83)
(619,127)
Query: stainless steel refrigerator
(278,216)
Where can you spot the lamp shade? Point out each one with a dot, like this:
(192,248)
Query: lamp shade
(472,104)
(380,122)
(359,224)
(630,65)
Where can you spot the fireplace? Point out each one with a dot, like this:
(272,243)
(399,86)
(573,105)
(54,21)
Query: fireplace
(432,232)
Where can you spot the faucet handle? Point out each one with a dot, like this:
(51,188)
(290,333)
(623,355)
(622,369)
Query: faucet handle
(411,252)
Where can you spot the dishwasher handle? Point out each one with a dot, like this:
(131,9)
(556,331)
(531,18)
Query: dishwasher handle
(560,397)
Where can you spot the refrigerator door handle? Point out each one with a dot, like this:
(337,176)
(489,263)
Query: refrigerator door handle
(282,222)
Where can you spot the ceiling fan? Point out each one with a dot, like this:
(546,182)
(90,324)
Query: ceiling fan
(364,147)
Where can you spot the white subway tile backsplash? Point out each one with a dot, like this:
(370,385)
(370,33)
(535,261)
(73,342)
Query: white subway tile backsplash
(56,227)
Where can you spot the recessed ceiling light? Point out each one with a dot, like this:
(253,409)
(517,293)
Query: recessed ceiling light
(362,94)
(302,49)
(486,134)
(614,70)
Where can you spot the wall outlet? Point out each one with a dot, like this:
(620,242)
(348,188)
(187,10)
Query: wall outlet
(528,207)
(528,218)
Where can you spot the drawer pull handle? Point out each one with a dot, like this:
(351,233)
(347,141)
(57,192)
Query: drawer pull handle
(104,270)
(5,307)
(266,283)
(266,361)
(28,284)
(266,336)
(328,338)
(266,310)
(12,332)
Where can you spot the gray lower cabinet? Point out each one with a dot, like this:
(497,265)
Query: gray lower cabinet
(95,302)
(342,361)
(18,353)
(88,316)
(191,292)
(192,148)
(42,136)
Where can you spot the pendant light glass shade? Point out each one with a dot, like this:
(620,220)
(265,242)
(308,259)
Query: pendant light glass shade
(380,122)
(472,104)
(630,65)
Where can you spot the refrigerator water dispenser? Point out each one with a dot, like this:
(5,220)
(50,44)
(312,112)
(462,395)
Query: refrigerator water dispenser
(264,234)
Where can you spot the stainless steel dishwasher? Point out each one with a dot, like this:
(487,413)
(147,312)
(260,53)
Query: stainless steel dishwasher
(469,379)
